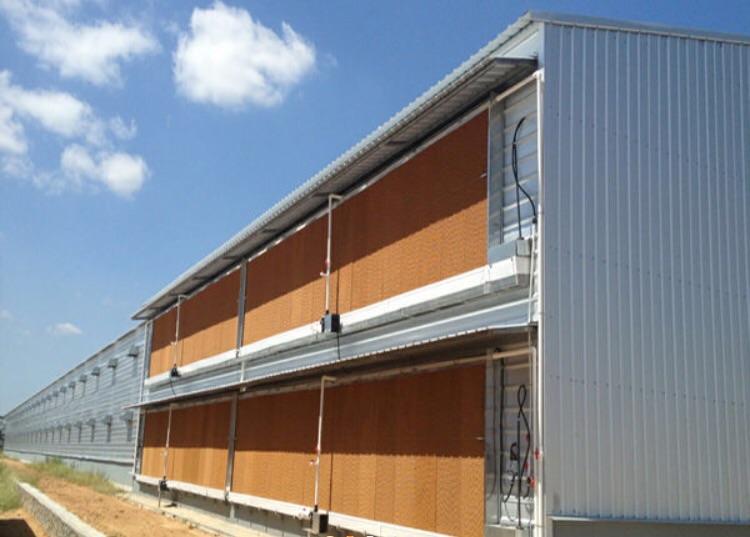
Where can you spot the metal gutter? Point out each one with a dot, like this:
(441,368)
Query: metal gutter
(457,93)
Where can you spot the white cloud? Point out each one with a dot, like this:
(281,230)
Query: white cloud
(5,315)
(122,130)
(71,119)
(122,173)
(64,329)
(230,60)
(55,111)
(12,139)
(90,52)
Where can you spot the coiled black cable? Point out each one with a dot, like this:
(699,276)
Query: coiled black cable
(515,447)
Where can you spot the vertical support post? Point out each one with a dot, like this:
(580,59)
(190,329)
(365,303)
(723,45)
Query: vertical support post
(241,307)
(177,331)
(331,199)
(230,446)
(166,450)
(318,447)
(542,525)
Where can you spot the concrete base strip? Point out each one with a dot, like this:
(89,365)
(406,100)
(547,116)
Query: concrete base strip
(56,520)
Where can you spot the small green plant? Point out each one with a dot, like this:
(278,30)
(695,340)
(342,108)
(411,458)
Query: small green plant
(55,467)
(9,499)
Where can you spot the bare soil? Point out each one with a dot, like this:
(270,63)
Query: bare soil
(18,523)
(112,515)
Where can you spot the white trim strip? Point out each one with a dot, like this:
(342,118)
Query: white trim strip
(507,268)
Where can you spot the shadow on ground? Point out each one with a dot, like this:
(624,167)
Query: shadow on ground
(15,528)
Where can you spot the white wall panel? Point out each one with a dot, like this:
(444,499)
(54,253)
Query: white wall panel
(646,275)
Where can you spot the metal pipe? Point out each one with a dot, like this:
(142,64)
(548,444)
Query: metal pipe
(177,330)
(331,198)
(230,448)
(241,307)
(323,380)
(520,468)
(532,269)
(166,450)
(525,351)
(541,526)
(515,87)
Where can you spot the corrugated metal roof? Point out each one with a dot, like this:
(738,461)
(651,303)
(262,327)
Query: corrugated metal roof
(464,88)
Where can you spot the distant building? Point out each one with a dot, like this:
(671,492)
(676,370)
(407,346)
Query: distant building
(518,307)
(82,417)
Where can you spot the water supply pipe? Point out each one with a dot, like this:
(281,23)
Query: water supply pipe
(318,447)
(327,273)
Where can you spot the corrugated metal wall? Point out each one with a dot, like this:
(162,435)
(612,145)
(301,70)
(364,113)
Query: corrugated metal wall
(87,419)
(646,275)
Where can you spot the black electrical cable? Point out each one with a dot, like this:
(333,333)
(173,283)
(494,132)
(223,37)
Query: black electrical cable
(514,163)
(521,402)
(515,447)
(498,461)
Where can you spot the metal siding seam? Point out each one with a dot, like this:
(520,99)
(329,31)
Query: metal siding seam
(553,102)
(611,88)
(691,228)
(676,257)
(707,506)
(743,201)
(717,260)
(730,376)
(603,448)
(654,213)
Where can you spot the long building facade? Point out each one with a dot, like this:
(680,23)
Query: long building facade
(519,306)
(83,417)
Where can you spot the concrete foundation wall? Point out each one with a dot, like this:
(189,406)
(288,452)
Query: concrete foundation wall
(56,520)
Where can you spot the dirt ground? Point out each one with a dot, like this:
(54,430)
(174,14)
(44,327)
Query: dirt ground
(112,515)
(18,523)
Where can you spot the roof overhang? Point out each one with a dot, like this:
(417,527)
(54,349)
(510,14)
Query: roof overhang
(464,90)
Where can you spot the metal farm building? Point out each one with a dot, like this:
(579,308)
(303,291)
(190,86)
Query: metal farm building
(81,417)
(520,306)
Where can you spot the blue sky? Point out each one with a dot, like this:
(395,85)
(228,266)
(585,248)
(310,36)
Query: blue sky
(136,137)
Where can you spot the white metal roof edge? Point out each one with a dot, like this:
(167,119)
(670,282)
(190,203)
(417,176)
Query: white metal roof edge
(565,19)
(327,174)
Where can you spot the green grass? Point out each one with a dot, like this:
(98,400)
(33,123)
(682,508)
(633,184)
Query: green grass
(56,468)
(9,499)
